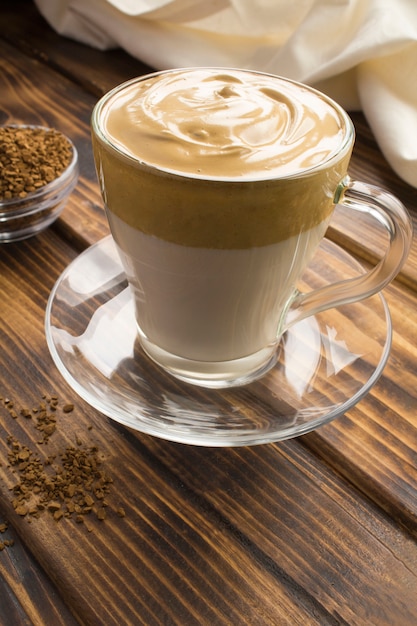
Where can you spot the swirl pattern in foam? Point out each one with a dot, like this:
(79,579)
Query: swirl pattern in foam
(224,124)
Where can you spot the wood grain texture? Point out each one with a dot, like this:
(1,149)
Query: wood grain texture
(317,530)
(271,523)
(375,444)
(78,225)
(28,597)
(158,565)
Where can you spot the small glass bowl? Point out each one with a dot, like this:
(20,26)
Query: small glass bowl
(21,218)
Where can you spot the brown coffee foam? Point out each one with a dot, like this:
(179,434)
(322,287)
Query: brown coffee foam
(234,123)
(215,213)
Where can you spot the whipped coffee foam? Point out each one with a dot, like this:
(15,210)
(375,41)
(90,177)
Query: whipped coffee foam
(224,124)
(224,159)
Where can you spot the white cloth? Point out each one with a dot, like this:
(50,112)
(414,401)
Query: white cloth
(363,53)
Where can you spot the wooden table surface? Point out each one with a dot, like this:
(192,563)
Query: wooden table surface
(320,529)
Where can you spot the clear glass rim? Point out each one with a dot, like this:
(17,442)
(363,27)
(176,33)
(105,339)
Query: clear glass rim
(334,157)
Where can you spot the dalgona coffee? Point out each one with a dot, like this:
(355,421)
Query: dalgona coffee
(219,186)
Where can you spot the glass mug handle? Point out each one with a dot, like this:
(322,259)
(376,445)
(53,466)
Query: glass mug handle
(388,211)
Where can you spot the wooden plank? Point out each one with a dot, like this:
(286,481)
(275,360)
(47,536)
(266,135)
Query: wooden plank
(77,224)
(70,111)
(271,523)
(27,595)
(306,521)
(272,532)
(150,565)
(375,444)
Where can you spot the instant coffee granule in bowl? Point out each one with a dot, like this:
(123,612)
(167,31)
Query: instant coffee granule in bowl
(38,171)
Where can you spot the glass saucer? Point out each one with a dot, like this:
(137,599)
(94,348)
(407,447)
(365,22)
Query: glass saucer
(327,362)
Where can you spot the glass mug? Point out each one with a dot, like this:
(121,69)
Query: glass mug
(219,186)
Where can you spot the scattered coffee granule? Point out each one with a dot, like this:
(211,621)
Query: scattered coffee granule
(5,543)
(71,483)
(43,414)
(30,158)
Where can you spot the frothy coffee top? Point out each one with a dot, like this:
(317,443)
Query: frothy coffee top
(223,124)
